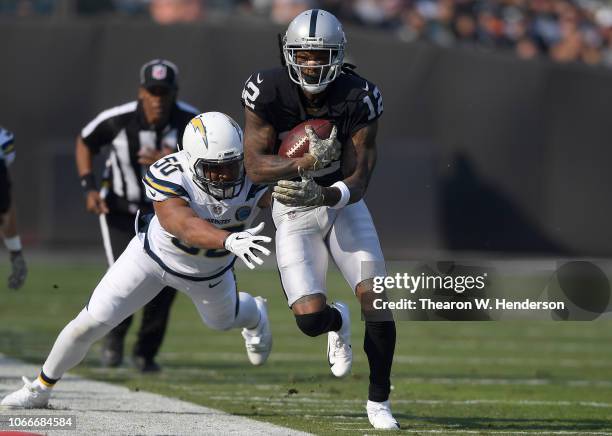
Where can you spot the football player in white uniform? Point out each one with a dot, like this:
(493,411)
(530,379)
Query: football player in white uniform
(8,216)
(203,204)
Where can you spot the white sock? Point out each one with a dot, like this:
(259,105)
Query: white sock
(40,385)
(72,344)
(248,312)
(13,244)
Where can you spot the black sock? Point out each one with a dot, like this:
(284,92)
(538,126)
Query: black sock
(379,346)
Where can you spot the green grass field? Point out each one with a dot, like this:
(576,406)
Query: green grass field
(448,378)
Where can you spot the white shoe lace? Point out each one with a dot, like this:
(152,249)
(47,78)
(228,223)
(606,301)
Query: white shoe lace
(340,348)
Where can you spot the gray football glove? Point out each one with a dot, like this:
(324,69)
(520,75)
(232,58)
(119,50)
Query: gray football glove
(324,151)
(19,270)
(303,193)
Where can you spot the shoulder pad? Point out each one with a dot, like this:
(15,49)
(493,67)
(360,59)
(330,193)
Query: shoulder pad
(164,179)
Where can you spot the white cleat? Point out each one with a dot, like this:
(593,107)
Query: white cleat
(258,341)
(380,416)
(339,351)
(29,396)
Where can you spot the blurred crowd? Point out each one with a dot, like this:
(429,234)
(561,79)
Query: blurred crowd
(562,30)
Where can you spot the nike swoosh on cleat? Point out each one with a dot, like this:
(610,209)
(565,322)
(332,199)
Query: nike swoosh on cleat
(212,285)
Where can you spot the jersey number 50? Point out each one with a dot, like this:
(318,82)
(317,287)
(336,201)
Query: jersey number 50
(168,165)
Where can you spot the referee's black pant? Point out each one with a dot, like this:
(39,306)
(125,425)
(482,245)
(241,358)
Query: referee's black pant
(156,312)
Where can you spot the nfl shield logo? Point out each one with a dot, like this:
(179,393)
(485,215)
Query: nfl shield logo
(217,210)
(159,72)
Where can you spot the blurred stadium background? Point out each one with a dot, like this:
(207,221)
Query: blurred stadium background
(480,149)
(495,139)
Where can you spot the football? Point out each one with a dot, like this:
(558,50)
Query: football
(295,144)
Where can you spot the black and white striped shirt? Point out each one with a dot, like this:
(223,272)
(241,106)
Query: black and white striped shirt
(126,131)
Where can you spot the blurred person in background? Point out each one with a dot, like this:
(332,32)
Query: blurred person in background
(8,215)
(283,11)
(413,26)
(176,11)
(465,31)
(526,48)
(138,133)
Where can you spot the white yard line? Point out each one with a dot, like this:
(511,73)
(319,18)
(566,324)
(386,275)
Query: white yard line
(425,359)
(104,409)
(485,432)
(318,401)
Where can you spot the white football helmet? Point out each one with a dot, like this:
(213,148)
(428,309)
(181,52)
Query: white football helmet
(212,142)
(315,29)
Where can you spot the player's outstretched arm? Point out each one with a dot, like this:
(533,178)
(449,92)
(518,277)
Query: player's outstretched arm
(177,218)
(261,165)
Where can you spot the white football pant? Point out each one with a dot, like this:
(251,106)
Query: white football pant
(130,283)
(306,238)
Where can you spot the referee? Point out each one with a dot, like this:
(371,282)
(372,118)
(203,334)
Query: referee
(138,134)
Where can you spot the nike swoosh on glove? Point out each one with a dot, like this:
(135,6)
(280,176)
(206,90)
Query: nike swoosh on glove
(246,245)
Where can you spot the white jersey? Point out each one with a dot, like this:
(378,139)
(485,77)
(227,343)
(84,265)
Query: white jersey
(7,146)
(170,177)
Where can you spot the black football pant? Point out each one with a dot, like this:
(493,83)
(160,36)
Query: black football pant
(156,312)
(5,189)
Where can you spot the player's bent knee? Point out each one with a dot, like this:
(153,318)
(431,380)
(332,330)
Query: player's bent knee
(314,324)
(309,304)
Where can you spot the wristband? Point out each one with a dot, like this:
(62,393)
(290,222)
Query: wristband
(88,182)
(345,195)
(13,244)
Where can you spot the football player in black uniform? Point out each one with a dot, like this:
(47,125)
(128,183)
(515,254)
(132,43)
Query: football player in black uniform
(318,209)
(8,217)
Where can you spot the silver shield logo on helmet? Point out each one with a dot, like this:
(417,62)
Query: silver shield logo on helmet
(318,30)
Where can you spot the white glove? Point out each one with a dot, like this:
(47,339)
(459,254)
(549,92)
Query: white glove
(324,151)
(244,245)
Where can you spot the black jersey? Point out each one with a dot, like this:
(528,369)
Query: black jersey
(350,102)
(125,130)
(7,155)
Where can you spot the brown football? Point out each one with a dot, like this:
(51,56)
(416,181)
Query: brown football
(296,143)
